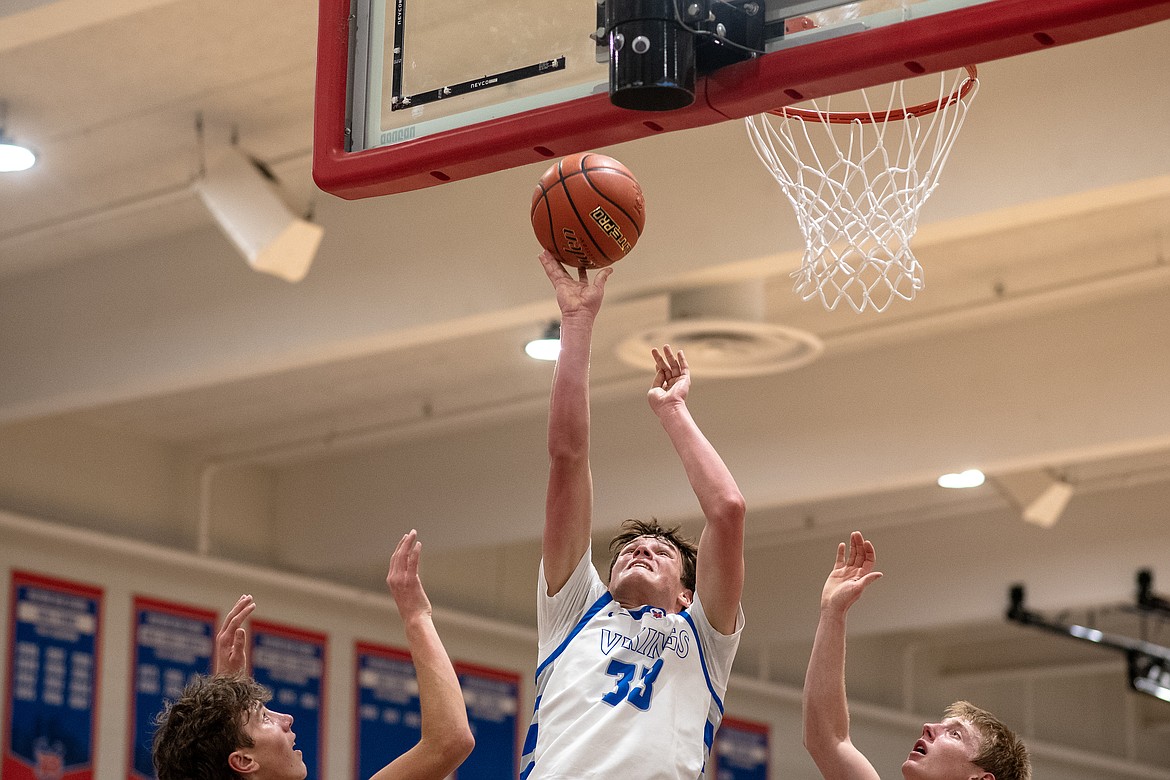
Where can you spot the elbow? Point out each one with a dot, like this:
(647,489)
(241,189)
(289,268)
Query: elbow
(822,741)
(445,753)
(810,742)
(567,456)
(815,745)
(461,745)
(731,510)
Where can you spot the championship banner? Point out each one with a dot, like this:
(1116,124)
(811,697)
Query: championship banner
(741,750)
(493,703)
(172,644)
(52,679)
(290,662)
(388,714)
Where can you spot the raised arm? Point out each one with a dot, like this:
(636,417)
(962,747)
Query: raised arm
(446,735)
(231,643)
(569,502)
(719,568)
(826,710)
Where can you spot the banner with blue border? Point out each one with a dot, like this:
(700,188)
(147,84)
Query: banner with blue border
(388,716)
(493,703)
(290,662)
(741,750)
(172,644)
(52,679)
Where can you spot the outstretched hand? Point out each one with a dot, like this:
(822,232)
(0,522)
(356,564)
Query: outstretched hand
(403,579)
(577,295)
(851,575)
(231,651)
(672,380)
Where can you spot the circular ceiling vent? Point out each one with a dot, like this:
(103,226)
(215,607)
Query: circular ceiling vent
(725,348)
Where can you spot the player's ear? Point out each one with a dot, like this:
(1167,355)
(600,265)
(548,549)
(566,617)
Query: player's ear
(983,776)
(241,763)
(686,598)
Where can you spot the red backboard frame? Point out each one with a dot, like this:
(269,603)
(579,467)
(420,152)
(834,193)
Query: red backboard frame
(970,35)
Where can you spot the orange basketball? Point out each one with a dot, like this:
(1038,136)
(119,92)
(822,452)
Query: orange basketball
(588,210)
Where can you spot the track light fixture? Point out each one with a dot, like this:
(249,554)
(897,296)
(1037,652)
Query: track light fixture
(1149,663)
(1047,507)
(247,207)
(1150,675)
(1037,494)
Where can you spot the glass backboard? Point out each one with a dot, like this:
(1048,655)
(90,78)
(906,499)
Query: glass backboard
(414,93)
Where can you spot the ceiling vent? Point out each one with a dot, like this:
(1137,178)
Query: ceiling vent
(722,333)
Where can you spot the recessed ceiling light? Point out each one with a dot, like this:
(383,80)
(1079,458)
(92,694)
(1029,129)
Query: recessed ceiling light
(962,479)
(14,157)
(548,346)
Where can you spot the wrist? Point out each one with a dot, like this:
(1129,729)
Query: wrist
(577,319)
(417,621)
(670,409)
(832,613)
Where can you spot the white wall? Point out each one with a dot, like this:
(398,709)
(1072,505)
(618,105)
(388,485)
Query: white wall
(124,569)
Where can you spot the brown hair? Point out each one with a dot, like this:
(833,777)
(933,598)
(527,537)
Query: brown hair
(632,529)
(1001,752)
(195,734)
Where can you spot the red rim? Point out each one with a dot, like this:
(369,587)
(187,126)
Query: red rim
(895,115)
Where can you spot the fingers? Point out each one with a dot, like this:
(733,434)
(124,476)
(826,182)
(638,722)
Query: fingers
(556,271)
(239,612)
(840,556)
(400,559)
(235,618)
(856,549)
(405,559)
(552,266)
(601,277)
(857,563)
(230,653)
(670,365)
(412,556)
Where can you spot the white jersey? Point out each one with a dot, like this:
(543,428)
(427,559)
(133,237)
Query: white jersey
(634,694)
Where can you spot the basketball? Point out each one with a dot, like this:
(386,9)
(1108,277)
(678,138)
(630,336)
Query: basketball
(588,210)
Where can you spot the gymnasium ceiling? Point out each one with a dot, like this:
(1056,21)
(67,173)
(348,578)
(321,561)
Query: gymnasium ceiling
(1039,348)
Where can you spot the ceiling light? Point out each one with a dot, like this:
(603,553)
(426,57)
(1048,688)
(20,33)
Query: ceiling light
(963,479)
(548,346)
(13,156)
(250,211)
(1047,508)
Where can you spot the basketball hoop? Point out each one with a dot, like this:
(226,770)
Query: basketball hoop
(858,187)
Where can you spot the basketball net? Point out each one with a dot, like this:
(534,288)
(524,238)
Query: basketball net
(858,181)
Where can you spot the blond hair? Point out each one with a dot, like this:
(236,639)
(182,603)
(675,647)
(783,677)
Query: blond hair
(1000,752)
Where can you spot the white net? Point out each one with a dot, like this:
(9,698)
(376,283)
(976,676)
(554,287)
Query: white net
(858,181)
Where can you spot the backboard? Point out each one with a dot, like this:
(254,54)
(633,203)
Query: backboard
(414,93)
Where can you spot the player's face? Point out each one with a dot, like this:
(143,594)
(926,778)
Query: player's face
(272,755)
(944,753)
(648,570)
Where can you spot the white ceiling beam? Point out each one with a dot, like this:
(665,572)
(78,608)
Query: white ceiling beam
(31,21)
